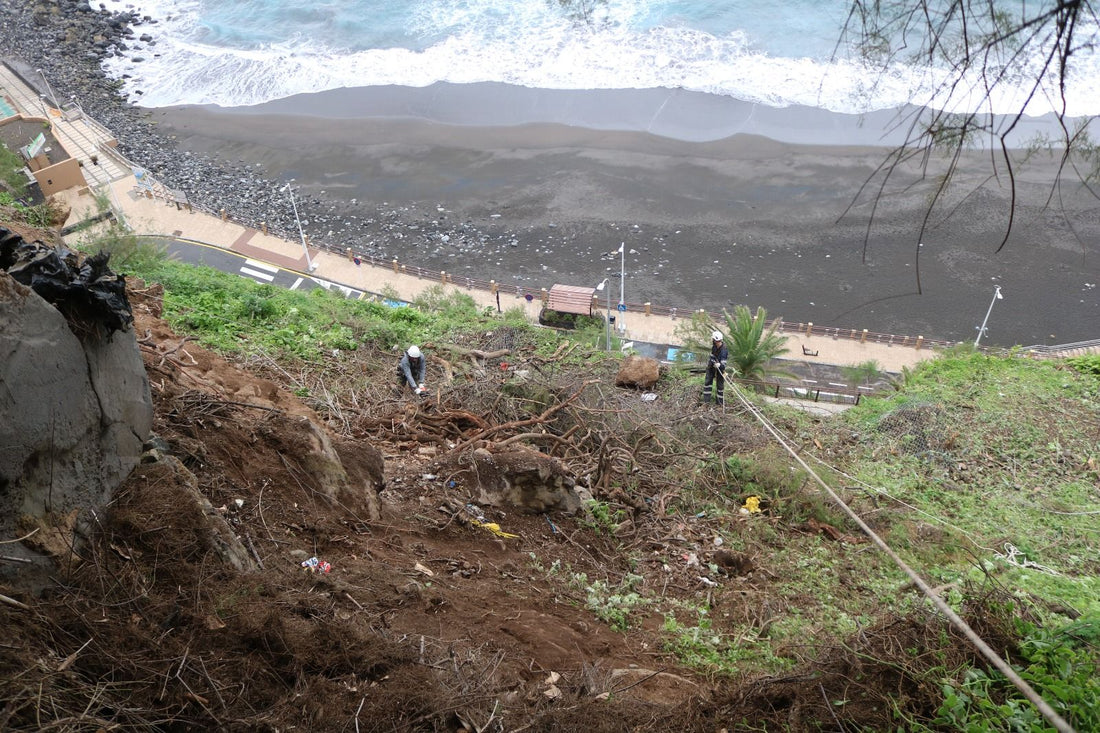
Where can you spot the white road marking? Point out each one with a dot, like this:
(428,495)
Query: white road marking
(262,266)
(256,274)
(297,283)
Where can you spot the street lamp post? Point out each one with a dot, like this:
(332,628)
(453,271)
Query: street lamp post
(622,273)
(310,267)
(981,329)
(49,89)
(607,323)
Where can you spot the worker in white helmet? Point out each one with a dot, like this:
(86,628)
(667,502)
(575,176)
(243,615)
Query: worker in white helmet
(412,370)
(716,368)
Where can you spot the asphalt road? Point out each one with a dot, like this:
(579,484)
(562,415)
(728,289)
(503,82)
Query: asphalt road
(220,259)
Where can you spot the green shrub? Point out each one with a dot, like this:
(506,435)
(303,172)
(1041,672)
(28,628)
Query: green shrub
(1059,665)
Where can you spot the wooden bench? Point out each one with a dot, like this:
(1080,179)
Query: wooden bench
(806,351)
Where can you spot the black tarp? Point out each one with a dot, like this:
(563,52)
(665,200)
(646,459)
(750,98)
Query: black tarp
(86,292)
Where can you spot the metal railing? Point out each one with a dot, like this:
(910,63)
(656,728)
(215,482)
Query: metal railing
(833,393)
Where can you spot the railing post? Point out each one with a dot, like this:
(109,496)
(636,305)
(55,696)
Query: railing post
(348,252)
(863,339)
(648,309)
(395,269)
(223,214)
(920,341)
(493,287)
(263,227)
(443,276)
(544,296)
(809,327)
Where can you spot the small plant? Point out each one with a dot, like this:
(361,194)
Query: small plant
(601,517)
(614,605)
(11,173)
(863,373)
(1087,364)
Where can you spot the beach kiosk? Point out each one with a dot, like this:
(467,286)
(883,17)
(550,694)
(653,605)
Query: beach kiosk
(565,304)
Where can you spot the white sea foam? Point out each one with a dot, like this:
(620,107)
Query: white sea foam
(528,44)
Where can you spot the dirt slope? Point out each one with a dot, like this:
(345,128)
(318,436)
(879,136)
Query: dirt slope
(426,621)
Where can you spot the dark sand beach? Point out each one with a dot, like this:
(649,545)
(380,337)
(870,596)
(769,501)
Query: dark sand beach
(424,175)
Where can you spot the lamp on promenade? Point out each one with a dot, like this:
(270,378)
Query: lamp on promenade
(996,296)
(310,267)
(49,89)
(607,323)
(622,285)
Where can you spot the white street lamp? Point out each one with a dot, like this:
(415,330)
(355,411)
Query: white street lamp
(607,323)
(310,267)
(981,329)
(622,273)
(49,89)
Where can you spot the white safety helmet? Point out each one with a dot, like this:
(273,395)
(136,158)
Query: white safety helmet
(413,352)
(716,336)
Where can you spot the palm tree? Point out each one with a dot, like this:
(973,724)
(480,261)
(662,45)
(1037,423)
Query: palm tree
(752,343)
(863,373)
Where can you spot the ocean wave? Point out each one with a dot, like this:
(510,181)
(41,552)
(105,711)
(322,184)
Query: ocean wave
(537,52)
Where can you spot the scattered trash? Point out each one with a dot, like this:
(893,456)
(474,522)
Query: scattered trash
(475,511)
(707,581)
(751,505)
(553,528)
(494,528)
(552,690)
(451,484)
(315,565)
(428,476)
(691,559)
(649,397)
(239,502)
(718,541)
(421,569)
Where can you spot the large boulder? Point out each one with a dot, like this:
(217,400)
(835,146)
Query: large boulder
(639,372)
(74,411)
(516,476)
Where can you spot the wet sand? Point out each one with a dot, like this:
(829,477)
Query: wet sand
(713,211)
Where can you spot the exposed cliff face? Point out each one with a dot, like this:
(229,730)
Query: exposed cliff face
(74,411)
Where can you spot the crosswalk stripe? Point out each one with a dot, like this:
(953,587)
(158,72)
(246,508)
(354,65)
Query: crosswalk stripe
(262,266)
(256,274)
(297,283)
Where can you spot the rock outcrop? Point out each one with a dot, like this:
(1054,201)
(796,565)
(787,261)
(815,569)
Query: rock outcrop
(74,411)
(517,476)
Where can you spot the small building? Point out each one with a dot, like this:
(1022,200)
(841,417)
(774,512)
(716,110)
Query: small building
(565,304)
(51,167)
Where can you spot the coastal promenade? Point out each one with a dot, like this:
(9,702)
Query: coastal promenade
(158,216)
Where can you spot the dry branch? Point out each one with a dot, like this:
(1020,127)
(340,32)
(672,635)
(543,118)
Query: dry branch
(542,418)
